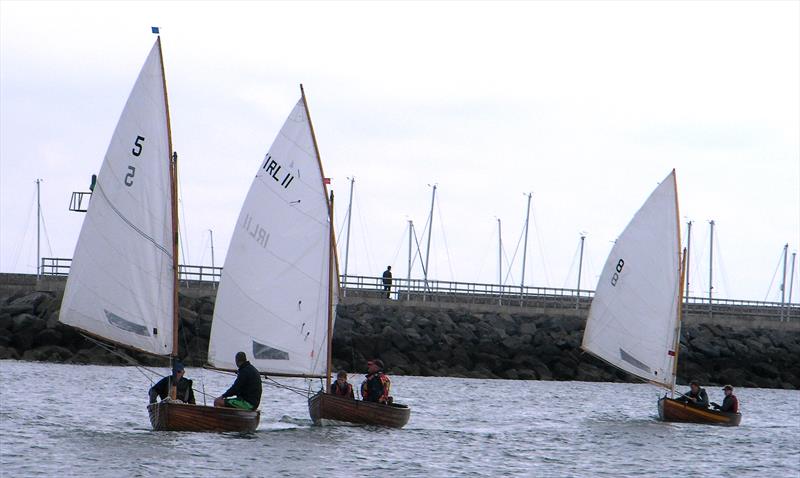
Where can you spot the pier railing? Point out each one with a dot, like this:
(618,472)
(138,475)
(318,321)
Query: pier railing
(59,266)
(437,291)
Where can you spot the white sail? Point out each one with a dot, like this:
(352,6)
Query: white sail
(632,322)
(273,297)
(120,285)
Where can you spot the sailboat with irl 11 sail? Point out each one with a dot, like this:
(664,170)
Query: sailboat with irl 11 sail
(279,289)
(123,282)
(635,316)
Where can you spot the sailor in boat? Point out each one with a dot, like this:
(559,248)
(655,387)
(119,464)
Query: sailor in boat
(377,385)
(696,396)
(341,387)
(730,404)
(174,386)
(245,393)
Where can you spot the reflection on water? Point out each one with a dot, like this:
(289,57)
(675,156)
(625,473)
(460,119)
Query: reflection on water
(71,420)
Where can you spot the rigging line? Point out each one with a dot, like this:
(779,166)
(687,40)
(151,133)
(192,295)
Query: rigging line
(203,249)
(418,253)
(541,247)
(184,238)
(508,266)
(444,237)
(46,235)
(721,265)
(486,253)
(25,231)
(123,356)
(514,257)
(399,245)
(571,265)
(272,382)
(344,223)
(774,274)
(364,241)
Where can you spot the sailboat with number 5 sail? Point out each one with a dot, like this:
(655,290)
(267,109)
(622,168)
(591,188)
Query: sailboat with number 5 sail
(634,321)
(123,282)
(279,288)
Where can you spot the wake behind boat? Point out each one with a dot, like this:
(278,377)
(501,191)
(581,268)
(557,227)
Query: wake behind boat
(635,318)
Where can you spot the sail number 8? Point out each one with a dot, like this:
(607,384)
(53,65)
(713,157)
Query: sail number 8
(615,277)
(136,151)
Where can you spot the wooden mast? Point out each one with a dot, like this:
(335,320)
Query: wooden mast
(679,300)
(173,179)
(329,358)
(331,249)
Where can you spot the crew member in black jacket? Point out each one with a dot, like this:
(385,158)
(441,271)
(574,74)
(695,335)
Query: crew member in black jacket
(696,396)
(246,390)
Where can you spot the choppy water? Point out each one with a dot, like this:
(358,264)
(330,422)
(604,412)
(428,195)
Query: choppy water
(68,420)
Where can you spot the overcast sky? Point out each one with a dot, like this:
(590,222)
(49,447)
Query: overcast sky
(586,105)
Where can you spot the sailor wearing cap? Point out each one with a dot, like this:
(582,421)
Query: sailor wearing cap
(376,386)
(174,386)
(730,403)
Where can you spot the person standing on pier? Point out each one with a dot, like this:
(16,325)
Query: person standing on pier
(387,281)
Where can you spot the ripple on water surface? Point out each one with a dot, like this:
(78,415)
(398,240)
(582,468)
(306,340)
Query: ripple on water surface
(92,421)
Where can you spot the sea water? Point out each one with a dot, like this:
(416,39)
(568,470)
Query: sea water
(83,420)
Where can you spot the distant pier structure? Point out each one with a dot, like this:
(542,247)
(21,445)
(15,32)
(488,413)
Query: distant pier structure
(202,280)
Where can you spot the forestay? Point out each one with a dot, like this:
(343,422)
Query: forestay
(120,285)
(273,297)
(632,322)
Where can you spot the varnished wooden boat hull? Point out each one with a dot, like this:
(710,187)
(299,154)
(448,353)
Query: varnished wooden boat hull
(324,406)
(171,416)
(670,410)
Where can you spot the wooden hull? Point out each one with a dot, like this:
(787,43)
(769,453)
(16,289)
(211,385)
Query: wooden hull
(326,407)
(172,416)
(670,410)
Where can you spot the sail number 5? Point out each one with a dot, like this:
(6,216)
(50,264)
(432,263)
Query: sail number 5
(615,277)
(136,151)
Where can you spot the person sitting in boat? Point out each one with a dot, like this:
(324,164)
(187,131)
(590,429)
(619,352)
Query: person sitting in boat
(696,396)
(730,403)
(245,393)
(340,387)
(377,385)
(182,385)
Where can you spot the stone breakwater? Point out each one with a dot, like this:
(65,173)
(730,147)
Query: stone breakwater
(415,340)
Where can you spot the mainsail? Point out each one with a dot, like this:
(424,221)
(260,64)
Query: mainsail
(272,301)
(121,281)
(632,322)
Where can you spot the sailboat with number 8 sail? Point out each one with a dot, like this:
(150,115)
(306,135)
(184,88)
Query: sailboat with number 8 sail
(634,322)
(123,282)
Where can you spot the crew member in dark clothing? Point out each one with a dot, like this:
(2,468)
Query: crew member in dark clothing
(377,385)
(696,396)
(730,403)
(245,392)
(183,391)
(340,387)
(387,281)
